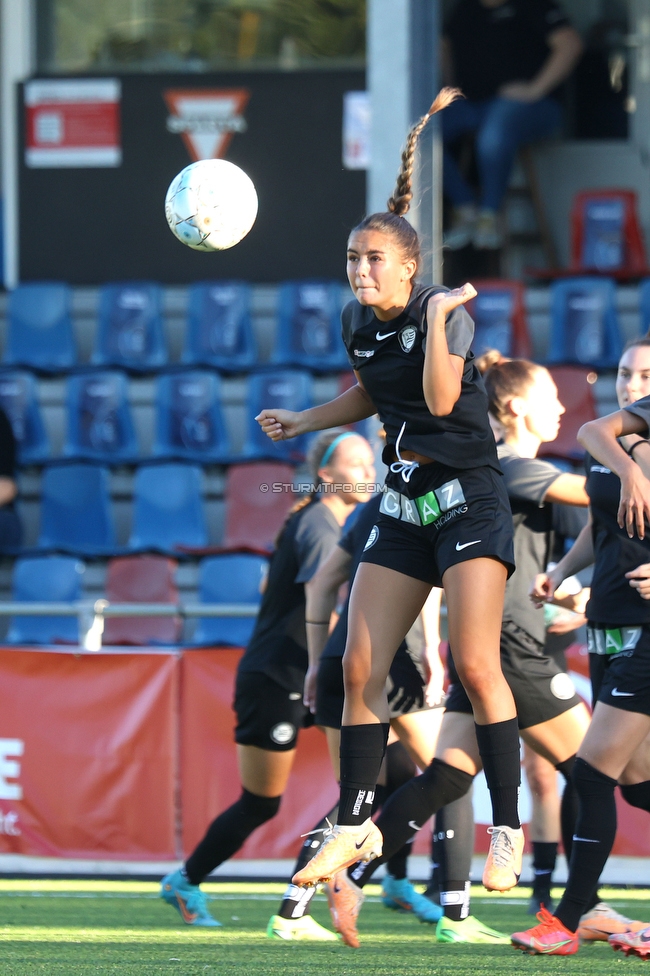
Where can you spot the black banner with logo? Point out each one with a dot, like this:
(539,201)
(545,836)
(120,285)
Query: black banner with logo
(92,225)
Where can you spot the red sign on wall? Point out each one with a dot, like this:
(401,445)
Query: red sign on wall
(73,123)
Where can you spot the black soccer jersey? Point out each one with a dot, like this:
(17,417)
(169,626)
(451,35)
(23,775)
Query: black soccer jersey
(527,481)
(493,45)
(390,359)
(613,601)
(278,646)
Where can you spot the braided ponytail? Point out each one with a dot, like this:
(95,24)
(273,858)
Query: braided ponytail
(391,222)
(400,201)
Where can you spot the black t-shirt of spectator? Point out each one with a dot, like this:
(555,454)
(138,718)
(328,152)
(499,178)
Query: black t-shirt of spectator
(527,481)
(389,357)
(278,646)
(492,46)
(613,601)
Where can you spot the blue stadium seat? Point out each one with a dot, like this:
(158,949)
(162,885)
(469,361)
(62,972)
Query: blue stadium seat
(46,578)
(290,389)
(168,508)
(130,328)
(309,326)
(219,328)
(100,427)
(39,327)
(229,578)
(189,422)
(584,325)
(18,399)
(644,305)
(75,509)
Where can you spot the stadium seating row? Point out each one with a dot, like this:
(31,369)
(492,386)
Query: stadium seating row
(219,330)
(189,417)
(226,578)
(168,510)
(584,327)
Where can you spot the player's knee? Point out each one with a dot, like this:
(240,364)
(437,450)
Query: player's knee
(356,674)
(479,682)
(258,809)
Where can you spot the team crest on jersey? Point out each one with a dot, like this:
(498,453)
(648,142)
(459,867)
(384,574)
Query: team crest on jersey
(407,337)
(372,538)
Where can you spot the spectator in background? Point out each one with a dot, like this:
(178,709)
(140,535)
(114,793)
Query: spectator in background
(11,532)
(508,57)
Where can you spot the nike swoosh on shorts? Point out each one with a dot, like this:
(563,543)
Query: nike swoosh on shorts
(622,694)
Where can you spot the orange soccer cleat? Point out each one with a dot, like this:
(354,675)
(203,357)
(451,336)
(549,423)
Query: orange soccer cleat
(342,847)
(602,921)
(503,863)
(632,943)
(345,900)
(549,938)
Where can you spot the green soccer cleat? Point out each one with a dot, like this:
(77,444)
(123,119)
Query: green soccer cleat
(188,900)
(470,930)
(305,929)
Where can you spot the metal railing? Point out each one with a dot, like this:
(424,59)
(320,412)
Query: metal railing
(91,614)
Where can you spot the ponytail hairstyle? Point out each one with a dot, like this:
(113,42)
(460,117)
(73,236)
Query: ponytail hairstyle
(488,359)
(404,236)
(506,380)
(318,449)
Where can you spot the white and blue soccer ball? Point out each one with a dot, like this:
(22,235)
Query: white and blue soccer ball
(211,205)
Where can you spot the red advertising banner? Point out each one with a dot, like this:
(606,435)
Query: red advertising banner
(130,755)
(72,123)
(209,775)
(88,754)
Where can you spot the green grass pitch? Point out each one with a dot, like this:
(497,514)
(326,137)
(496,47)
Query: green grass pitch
(74,928)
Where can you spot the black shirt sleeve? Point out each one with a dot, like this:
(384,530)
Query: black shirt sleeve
(315,538)
(528,478)
(7,448)
(641,409)
(545,16)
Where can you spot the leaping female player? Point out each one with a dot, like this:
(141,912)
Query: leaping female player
(444,520)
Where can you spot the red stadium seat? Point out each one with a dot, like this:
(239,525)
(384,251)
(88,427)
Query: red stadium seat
(142,579)
(575,389)
(254,516)
(606,233)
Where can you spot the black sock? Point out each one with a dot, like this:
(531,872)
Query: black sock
(498,745)
(362,753)
(569,806)
(296,901)
(637,795)
(454,845)
(544,856)
(227,833)
(592,841)
(408,810)
(400,768)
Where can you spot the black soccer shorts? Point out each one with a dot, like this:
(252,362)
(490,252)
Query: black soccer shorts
(619,665)
(441,518)
(269,716)
(540,688)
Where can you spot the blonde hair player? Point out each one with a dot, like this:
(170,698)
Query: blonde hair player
(444,520)
(271,672)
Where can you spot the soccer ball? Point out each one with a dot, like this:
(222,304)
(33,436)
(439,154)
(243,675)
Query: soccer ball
(211,205)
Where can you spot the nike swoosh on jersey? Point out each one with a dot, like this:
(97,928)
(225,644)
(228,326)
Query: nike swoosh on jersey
(385,335)
(466,544)
(621,694)
(415,826)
